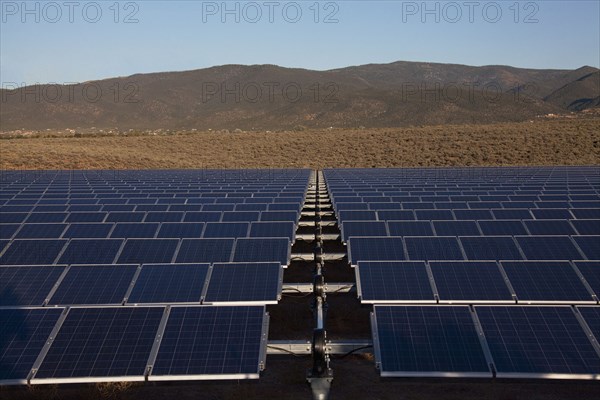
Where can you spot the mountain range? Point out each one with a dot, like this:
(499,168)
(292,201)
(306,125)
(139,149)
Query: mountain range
(269,97)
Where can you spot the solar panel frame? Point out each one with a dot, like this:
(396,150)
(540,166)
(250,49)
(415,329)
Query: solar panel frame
(245,250)
(420,247)
(18,282)
(548,248)
(146,251)
(492,248)
(590,270)
(225,250)
(396,252)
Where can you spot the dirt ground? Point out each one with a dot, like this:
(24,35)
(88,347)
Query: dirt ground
(542,142)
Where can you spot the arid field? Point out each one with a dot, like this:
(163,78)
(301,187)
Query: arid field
(540,142)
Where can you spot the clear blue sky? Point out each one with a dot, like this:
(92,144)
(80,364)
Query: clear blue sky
(184,35)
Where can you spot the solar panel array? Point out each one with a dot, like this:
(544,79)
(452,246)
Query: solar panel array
(141,275)
(477,271)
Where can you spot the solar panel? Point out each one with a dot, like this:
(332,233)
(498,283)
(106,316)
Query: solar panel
(433,248)
(512,214)
(142,251)
(363,228)
(205,250)
(469,281)
(134,230)
(125,217)
(356,215)
(240,216)
(244,283)
(86,217)
(279,216)
(8,230)
(590,245)
(262,250)
(591,272)
(27,285)
(427,341)
(180,230)
(375,249)
(456,228)
(395,215)
(211,342)
(586,213)
(434,215)
(591,315)
(41,231)
(552,281)
(548,248)
(393,281)
(490,248)
(502,227)
(112,342)
(273,229)
(551,214)
(226,229)
(410,228)
(13,218)
(169,283)
(536,342)
(549,227)
(202,216)
(587,226)
(163,216)
(92,230)
(32,252)
(42,218)
(23,334)
(90,251)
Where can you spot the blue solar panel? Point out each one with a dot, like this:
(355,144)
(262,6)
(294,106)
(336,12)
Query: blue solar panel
(13,218)
(86,217)
(456,228)
(552,214)
(410,228)
(91,251)
(395,215)
(202,216)
(375,249)
(536,341)
(42,218)
(27,285)
(41,231)
(226,229)
(358,215)
(273,229)
(205,250)
(469,281)
(545,281)
(585,226)
(433,248)
(134,230)
(584,213)
(434,215)
(142,251)
(490,248)
(549,227)
(102,342)
(8,230)
(125,217)
(363,228)
(240,216)
(388,281)
(548,248)
(590,245)
(32,252)
(279,216)
(502,227)
(591,272)
(23,334)
(89,231)
(262,250)
(169,283)
(512,214)
(181,230)
(94,284)
(428,341)
(591,315)
(163,217)
(244,282)
(211,341)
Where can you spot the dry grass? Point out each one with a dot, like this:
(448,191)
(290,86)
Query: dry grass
(560,142)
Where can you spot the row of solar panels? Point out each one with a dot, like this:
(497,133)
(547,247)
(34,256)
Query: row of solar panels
(149,230)
(485,341)
(476,282)
(441,248)
(65,345)
(219,283)
(142,251)
(470,228)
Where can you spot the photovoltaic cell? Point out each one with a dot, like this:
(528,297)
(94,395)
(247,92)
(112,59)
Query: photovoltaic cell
(8,230)
(375,249)
(591,272)
(395,215)
(91,251)
(428,341)
(102,342)
(530,341)
(273,229)
(23,334)
(226,229)
(548,248)
(551,214)
(469,281)
(433,248)
(512,214)
(549,227)
(169,283)
(181,230)
(216,341)
(456,228)
(244,282)
(41,231)
(591,315)
(134,230)
(490,248)
(584,226)
(32,252)
(545,281)
(502,227)
(88,231)
(142,251)
(590,245)
(385,281)
(27,285)
(363,228)
(205,250)
(262,250)
(94,284)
